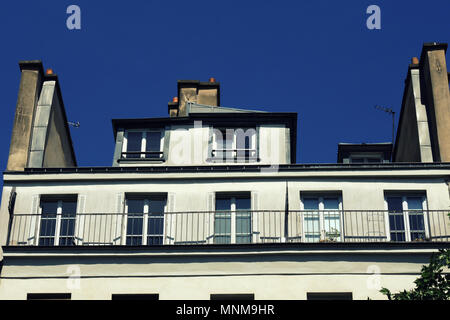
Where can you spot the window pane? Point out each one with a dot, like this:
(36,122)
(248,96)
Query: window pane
(374,160)
(416,218)
(357,160)
(153,144)
(395,204)
(331,203)
(135,205)
(69,207)
(414,203)
(135,221)
(311,203)
(396,222)
(49,207)
(134,143)
(243,204)
(155,228)
(223,204)
(222,227)
(48,222)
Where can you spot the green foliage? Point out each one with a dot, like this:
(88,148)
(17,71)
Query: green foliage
(431,285)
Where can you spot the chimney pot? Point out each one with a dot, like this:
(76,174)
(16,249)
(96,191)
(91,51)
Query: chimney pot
(212,79)
(415,60)
(49,71)
(175,99)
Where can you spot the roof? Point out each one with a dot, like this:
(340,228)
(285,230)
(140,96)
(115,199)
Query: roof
(289,119)
(201,108)
(244,168)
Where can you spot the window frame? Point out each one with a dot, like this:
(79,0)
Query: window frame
(252,150)
(233,212)
(321,210)
(145,216)
(405,212)
(143,152)
(59,217)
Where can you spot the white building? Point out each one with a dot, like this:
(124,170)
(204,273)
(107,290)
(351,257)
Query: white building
(210,202)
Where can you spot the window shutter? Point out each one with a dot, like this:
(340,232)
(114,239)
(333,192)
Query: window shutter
(121,231)
(80,220)
(257,144)
(34,222)
(170,220)
(210,142)
(255,217)
(209,223)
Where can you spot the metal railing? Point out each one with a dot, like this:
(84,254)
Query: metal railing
(228,227)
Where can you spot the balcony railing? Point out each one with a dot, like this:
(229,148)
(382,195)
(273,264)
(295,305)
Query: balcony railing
(228,227)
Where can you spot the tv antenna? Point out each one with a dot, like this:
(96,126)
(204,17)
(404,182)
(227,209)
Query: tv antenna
(74,124)
(390,111)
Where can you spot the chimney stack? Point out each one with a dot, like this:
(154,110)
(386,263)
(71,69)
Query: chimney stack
(436,97)
(207,93)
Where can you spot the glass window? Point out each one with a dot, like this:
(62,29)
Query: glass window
(232,211)
(153,145)
(406,218)
(145,220)
(57,223)
(236,145)
(322,218)
(142,144)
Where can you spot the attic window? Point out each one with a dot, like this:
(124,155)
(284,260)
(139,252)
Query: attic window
(142,144)
(234,144)
(366,158)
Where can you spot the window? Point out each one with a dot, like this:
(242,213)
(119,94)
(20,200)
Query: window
(145,220)
(322,218)
(407,221)
(57,221)
(234,145)
(48,296)
(233,296)
(329,296)
(366,158)
(232,219)
(139,296)
(143,144)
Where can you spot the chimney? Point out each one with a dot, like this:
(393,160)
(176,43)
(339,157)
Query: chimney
(40,136)
(436,97)
(207,93)
(173,107)
(30,87)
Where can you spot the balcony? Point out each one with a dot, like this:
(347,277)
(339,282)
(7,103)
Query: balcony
(228,227)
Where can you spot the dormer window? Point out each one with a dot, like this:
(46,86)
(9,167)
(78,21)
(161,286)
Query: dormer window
(143,144)
(234,145)
(366,158)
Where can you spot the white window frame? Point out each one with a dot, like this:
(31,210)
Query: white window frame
(404,196)
(57,222)
(321,212)
(143,142)
(145,216)
(233,216)
(253,150)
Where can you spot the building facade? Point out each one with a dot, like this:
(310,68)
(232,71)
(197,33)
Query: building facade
(209,202)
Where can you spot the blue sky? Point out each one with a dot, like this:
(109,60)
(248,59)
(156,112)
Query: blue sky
(316,58)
